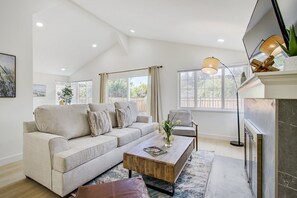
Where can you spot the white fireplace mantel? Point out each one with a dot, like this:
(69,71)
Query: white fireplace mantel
(273,85)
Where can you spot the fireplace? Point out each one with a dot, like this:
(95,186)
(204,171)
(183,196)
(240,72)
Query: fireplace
(253,157)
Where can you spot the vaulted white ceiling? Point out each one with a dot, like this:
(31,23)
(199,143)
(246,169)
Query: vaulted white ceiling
(71,27)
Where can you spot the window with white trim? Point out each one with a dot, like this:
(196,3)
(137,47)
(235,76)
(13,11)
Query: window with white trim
(198,90)
(59,87)
(82,92)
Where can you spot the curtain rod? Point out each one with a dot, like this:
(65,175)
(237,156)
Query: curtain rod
(131,70)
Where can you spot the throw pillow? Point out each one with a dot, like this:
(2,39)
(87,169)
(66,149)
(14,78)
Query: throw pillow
(99,122)
(105,106)
(130,104)
(124,117)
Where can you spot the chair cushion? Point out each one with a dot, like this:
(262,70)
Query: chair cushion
(145,128)
(184,116)
(105,106)
(99,122)
(69,121)
(82,150)
(185,131)
(125,135)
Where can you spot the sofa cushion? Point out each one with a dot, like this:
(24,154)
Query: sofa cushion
(108,107)
(131,105)
(125,135)
(99,122)
(83,150)
(184,131)
(145,128)
(124,117)
(69,121)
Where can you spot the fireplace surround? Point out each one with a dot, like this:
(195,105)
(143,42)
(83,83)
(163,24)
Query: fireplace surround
(270,104)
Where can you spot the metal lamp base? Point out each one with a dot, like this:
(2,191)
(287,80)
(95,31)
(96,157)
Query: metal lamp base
(236,143)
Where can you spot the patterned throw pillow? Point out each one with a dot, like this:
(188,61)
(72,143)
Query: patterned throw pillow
(99,122)
(124,117)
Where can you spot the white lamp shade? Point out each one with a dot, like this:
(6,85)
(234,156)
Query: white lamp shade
(210,65)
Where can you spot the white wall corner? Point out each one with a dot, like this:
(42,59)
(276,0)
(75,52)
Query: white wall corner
(10,159)
(123,41)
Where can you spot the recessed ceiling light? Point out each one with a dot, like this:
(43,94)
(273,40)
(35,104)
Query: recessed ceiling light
(94,45)
(63,69)
(132,31)
(221,40)
(39,24)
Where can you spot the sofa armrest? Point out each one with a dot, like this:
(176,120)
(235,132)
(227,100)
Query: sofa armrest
(144,118)
(29,127)
(39,149)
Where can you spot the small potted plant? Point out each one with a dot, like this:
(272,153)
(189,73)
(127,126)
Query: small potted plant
(65,95)
(167,126)
(291,50)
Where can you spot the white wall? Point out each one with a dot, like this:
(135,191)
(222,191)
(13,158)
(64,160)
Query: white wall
(16,39)
(174,57)
(50,81)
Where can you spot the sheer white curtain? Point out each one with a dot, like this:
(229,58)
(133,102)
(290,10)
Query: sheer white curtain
(155,94)
(103,87)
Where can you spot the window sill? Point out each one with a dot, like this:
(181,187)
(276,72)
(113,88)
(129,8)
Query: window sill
(212,110)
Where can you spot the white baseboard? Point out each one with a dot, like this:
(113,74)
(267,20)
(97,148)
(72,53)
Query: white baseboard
(218,137)
(10,159)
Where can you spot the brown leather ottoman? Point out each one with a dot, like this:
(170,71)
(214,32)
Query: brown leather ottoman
(127,188)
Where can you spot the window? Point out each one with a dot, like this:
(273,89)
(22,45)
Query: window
(129,89)
(82,91)
(203,91)
(59,87)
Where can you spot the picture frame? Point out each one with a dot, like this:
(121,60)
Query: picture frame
(39,90)
(7,76)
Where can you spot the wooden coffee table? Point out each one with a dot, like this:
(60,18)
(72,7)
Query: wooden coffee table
(166,167)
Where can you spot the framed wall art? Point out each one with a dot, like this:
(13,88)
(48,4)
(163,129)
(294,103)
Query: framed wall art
(39,90)
(7,76)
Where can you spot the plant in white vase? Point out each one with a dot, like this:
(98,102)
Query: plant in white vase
(291,50)
(65,96)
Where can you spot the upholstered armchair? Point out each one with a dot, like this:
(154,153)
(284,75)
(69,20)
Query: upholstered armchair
(186,127)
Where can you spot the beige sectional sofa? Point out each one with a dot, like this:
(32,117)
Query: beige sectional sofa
(60,153)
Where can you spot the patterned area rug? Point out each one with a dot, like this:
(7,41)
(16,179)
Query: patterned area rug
(192,181)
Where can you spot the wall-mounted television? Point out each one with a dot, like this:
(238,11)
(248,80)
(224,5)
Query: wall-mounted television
(270,17)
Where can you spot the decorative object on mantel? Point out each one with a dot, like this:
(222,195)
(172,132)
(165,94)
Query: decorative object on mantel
(271,48)
(167,126)
(243,77)
(210,66)
(65,95)
(265,66)
(7,76)
(290,62)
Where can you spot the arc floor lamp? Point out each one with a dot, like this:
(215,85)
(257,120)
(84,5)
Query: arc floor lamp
(210,66)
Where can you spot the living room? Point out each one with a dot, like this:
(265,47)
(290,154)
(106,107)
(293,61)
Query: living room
(61,42)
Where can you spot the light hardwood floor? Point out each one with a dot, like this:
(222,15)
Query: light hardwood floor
(13,183)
